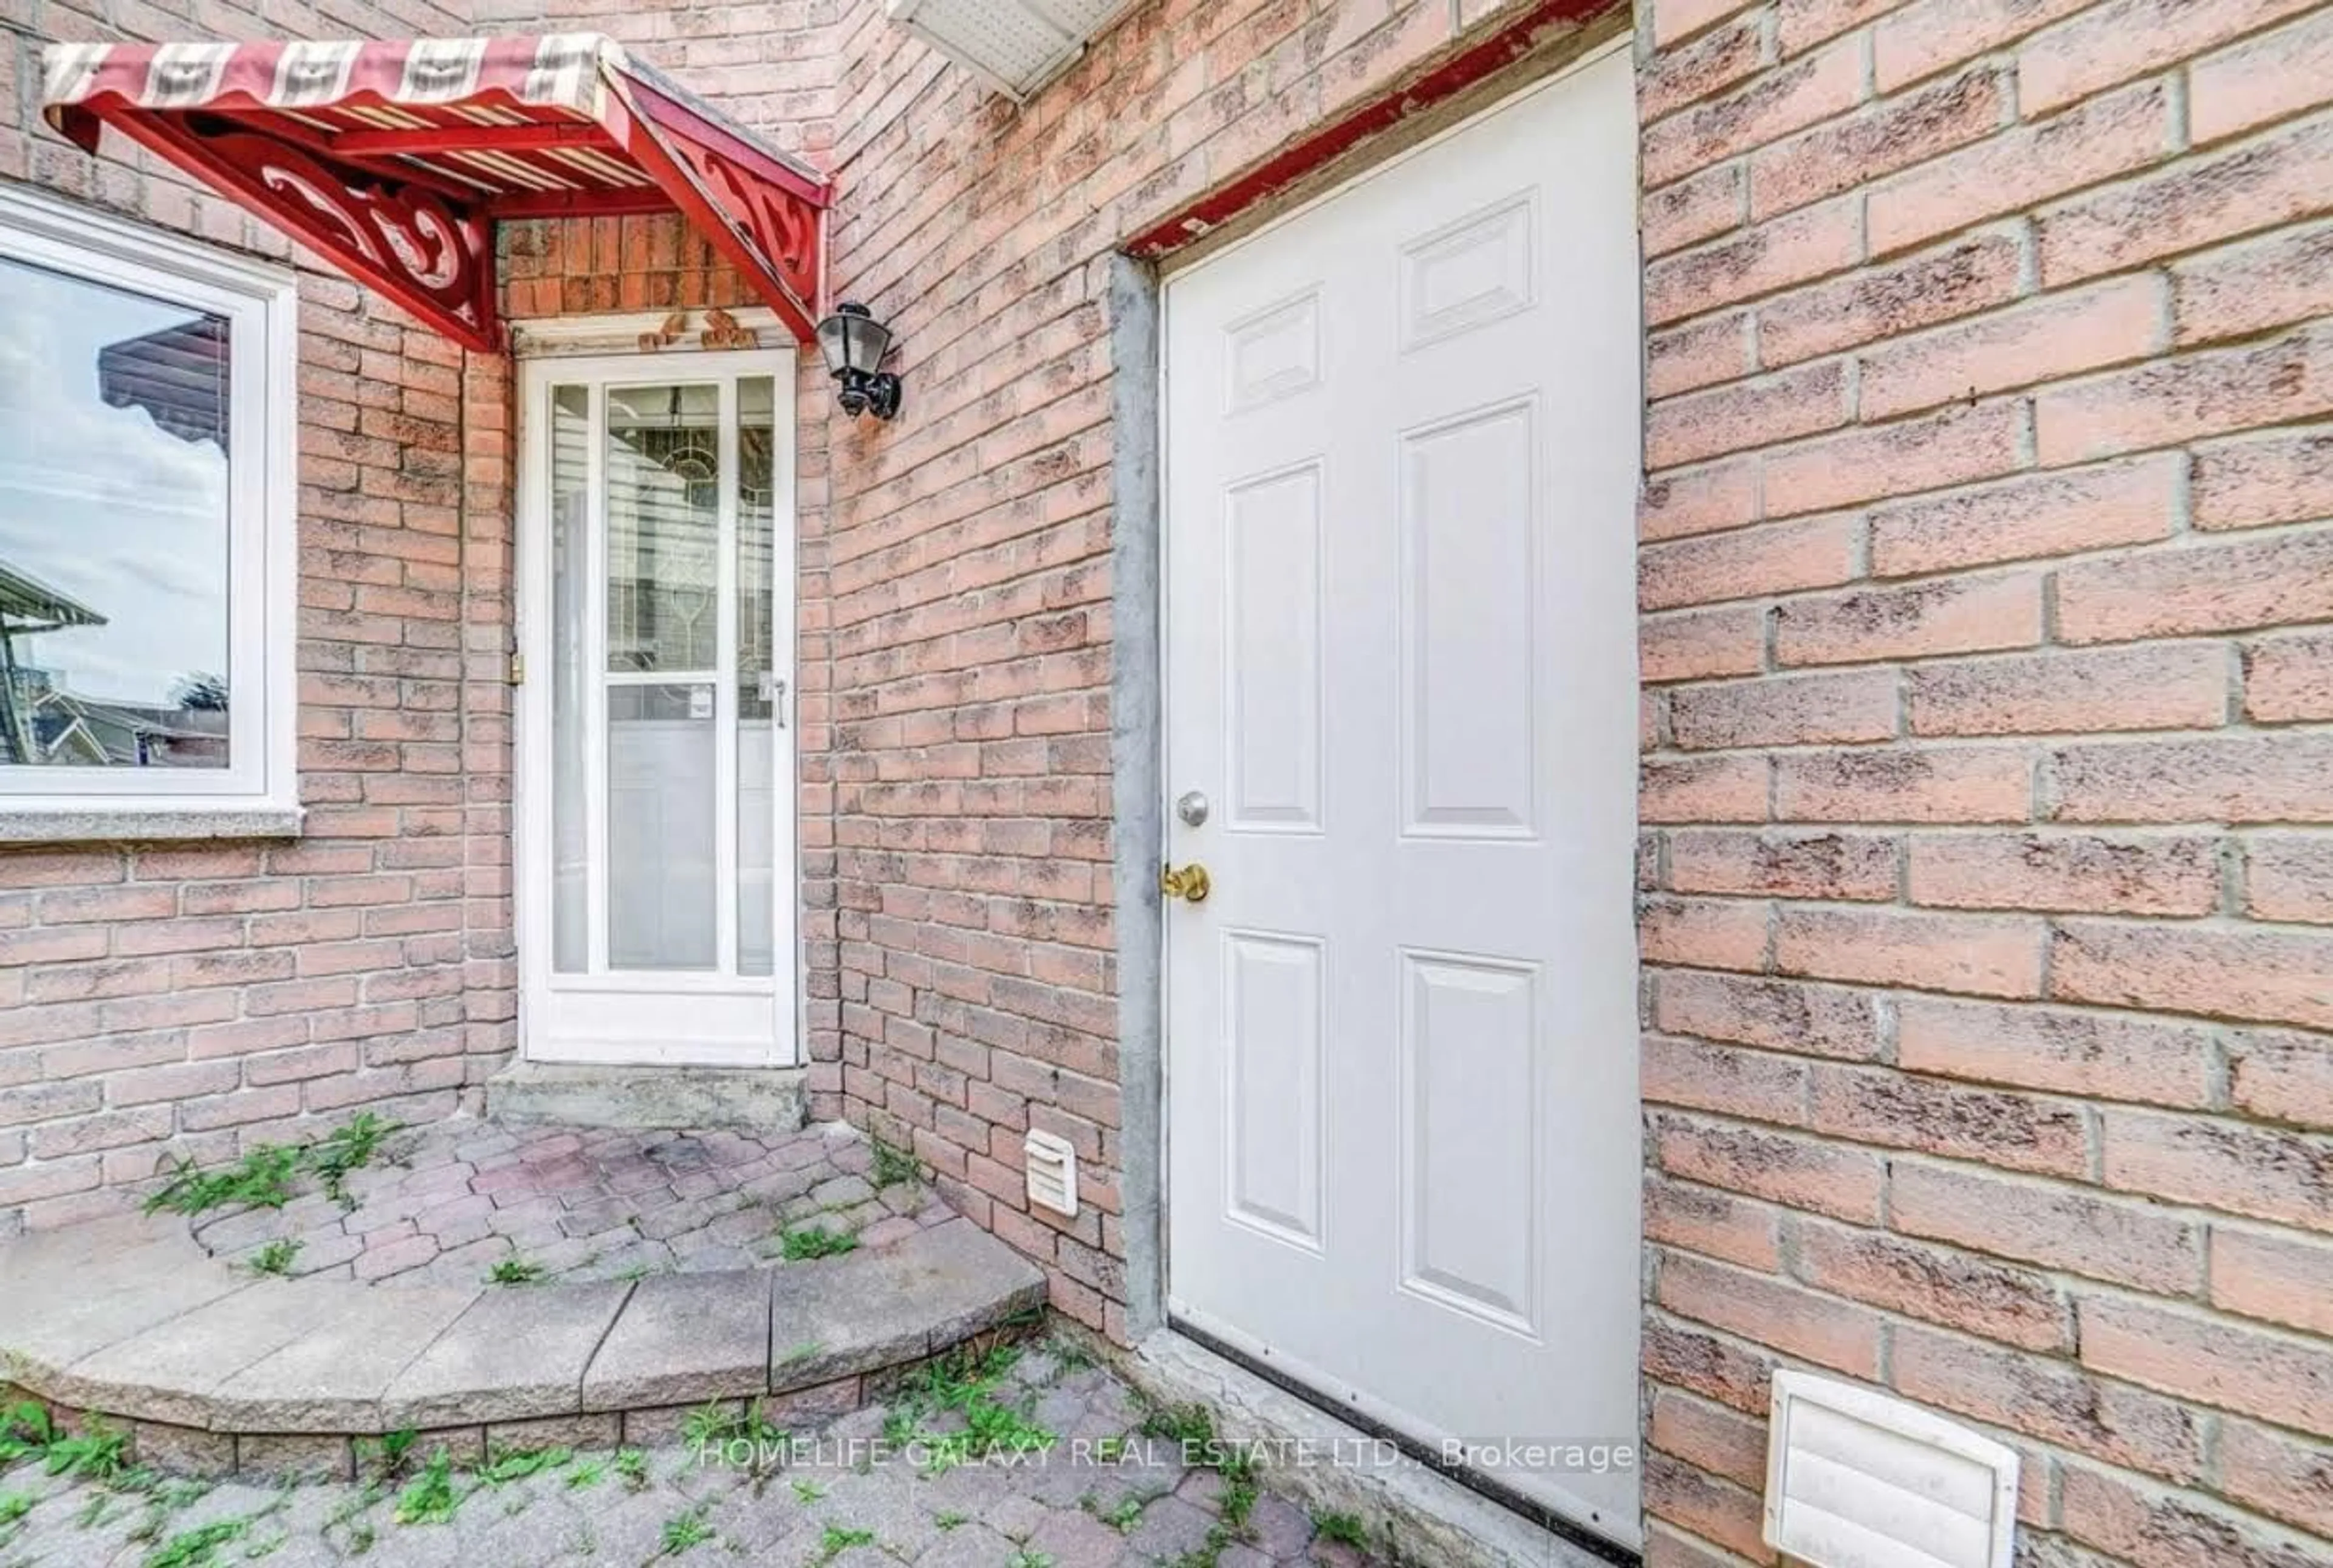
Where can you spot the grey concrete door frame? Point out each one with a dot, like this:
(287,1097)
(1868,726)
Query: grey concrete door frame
(1138,653)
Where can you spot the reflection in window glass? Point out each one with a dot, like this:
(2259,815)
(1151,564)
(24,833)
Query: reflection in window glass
(113,527)
(664,529)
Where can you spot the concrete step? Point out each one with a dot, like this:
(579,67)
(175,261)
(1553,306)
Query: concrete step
(128,1319)
(762,1099)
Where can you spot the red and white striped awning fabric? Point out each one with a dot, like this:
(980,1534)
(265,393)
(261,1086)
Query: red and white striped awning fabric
(396,160)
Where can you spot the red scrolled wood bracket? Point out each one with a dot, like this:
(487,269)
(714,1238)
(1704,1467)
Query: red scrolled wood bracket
(433,256)
(769,231)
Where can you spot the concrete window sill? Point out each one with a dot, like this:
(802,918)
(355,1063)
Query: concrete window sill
(147,824)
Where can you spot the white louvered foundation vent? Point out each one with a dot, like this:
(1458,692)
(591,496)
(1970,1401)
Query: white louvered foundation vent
(1856,1479)
(1052,1172)
(1017,45)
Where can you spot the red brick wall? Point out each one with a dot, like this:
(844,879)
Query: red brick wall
(180,999)
(1985,577)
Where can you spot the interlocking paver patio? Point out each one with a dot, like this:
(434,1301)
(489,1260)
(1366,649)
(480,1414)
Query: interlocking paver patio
(1062,1509)
(441,1206)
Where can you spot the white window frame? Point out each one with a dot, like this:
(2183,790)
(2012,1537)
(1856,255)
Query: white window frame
(258,793)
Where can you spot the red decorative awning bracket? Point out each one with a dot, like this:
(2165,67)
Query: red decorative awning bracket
(395,160)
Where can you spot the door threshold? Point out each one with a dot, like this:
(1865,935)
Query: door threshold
(647,1098)
(1479,1518)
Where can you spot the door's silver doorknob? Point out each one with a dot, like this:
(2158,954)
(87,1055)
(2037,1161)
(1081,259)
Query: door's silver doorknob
(1192,808)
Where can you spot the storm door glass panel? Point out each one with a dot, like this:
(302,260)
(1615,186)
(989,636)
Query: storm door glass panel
(664,529)
(757,695)
(574,678)
(661,855)
(663,489)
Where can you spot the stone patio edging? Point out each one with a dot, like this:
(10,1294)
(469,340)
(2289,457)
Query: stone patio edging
(215,1369)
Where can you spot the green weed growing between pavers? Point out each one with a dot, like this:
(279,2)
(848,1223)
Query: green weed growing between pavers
(98,1457)
(893,1165)
(714,1424)
(346,1147)
(1192,1426)
(13,1507)
(513,1271)
(431,1497)
(385,1458)
(686,1530)
(97,1453)
(26,1430)
(276,1257)
(198,1547)
(841,1538)
(165,1498)
(803,1242)
(267,1176)
(518,1464)
(964,1385)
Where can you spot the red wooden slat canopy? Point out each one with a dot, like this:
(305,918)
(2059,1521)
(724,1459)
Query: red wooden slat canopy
(395,159)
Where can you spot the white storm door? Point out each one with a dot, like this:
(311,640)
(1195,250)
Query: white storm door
(1402,457)
(657,866)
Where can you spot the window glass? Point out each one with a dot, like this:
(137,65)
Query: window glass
(113,528)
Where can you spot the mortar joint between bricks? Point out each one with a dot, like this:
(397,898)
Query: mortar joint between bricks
(2183,494)
(2220,1076)
(2231,874)
(2208,1428)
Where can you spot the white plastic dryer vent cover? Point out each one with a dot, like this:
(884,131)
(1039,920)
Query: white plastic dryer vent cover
(1053,1171)
(1017,45)
(1858,1479)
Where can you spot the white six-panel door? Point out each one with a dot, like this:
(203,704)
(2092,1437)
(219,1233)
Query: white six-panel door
(1402,451)
(657,886)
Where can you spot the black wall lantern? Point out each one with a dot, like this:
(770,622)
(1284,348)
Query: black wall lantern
(854,344)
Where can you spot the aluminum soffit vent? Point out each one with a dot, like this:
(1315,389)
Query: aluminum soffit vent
(1016,45)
